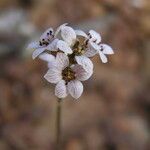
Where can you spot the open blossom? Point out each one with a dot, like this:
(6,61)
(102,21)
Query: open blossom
(68,78)
(67,53)
(91,45)
(48,41)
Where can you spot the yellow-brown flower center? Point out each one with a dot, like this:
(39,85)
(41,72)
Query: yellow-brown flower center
(68,74)
(79,48)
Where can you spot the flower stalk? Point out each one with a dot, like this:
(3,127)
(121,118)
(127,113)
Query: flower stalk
(58,124)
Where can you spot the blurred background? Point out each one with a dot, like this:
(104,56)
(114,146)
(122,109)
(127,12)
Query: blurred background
(114,110)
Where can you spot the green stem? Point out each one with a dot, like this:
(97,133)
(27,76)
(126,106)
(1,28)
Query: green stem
(58,124)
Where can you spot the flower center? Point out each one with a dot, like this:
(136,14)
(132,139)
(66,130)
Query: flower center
(79,49)
(68,74)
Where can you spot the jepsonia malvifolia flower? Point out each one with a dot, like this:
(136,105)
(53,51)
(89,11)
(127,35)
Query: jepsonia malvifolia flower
(48,41)
(67,77)
(92,45)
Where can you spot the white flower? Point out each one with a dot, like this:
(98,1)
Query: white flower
(94,46)
(50,43)
(68,78)
(43,44)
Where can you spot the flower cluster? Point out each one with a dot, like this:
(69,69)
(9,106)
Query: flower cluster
(68,53)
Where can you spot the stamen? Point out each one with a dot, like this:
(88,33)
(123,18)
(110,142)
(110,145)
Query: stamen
(86,42)
(94,41)
(68,74)
(79,48)
(101,48)
(40,43)
(50,32)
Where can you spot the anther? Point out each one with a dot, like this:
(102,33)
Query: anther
(101,48)
(50,32)
(40,43)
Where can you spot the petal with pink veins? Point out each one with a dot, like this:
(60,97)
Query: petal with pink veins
(68,34)
(81,74)
(75,88)
(85,62)
(61,89)
(53,75)
(62,60)
(63,46)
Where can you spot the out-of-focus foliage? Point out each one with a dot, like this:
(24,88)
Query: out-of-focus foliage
(113,113)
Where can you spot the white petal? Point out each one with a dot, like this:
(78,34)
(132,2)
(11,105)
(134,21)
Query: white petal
(62,60)
(50,64)
(85,62)
(46,35)
(61,89)
(81,74)
(68,35)
(37,52)
(95,36)
(33,45)
(53,75)
(47,57)
(53,45)
(81,33)
(106,49)
(59,28)
(103,57)
(53,64)
(63,46)
(93,45)
(75,88)
(92,49)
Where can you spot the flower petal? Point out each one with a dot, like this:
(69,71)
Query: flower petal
(75,88)
(91,50)
(81,74)
(47,57)
(50,64)
(53,75)
(59,29)
(85,62)
(47,35)
(68,35)
(63,46)
(53,45)
(95,36)
(33,45)
(62,60)
(103,57)
(37,52)
(81,33)
(61,89)
(106,49)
